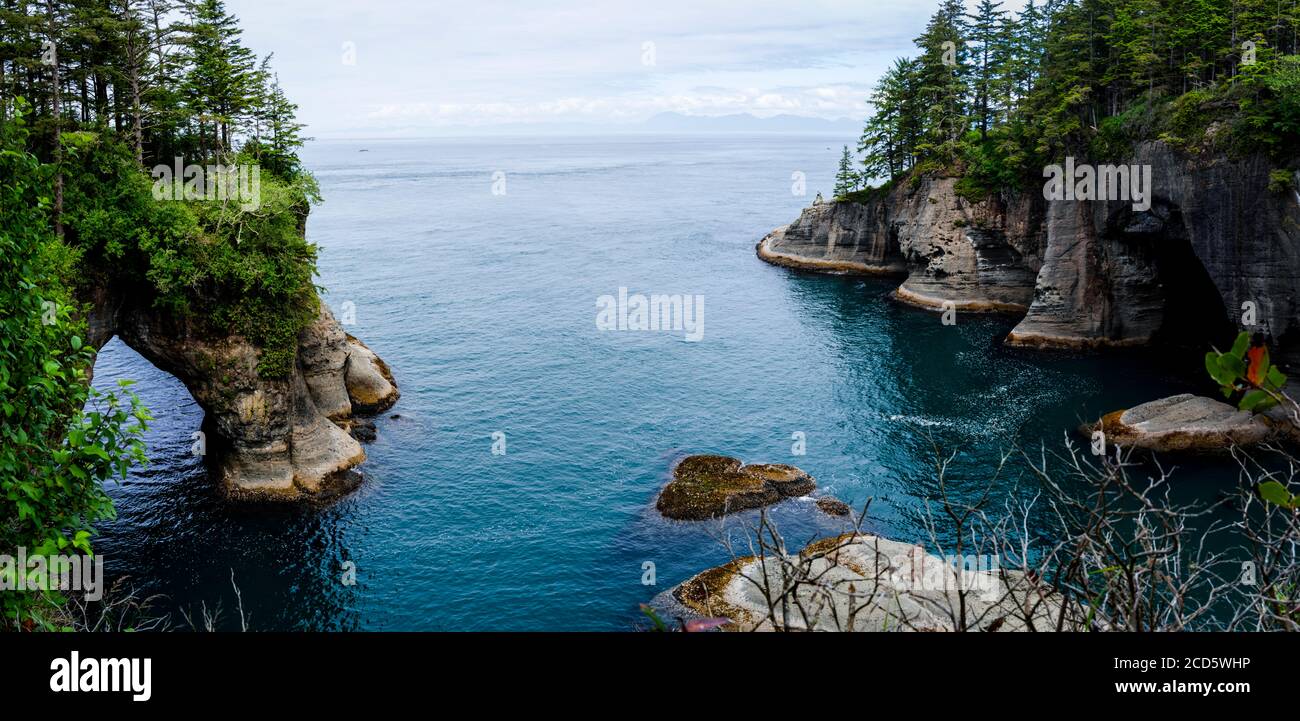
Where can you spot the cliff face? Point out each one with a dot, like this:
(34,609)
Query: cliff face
(1214,239)
(1084,273)
(979,256)
(838,237)
(268,439)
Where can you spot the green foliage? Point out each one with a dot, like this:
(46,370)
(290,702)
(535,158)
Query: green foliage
(846,179)
(229,268)
(1087,78)
(893,131)
(1280,181)
(1244,372)
(991,163)
(135,84)
(869,194)
(60,439)
(1277,494)
(1112,143)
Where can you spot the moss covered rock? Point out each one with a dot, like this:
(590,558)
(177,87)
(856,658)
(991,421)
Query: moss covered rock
(833,506)
(707,486)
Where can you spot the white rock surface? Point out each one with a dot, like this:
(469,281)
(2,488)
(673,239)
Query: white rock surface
(893,586)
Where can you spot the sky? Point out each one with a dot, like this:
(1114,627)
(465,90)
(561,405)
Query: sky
(394,68)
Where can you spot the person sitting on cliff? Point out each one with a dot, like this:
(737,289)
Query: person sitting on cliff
(818,199)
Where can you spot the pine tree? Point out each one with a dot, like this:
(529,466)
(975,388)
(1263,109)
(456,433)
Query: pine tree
(219,85)
(988,31)
(890,137)
(846,180)
(942,87)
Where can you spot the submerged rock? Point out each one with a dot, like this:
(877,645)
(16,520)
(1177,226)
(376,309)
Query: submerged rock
(706,486)
(833,506)
(362,429)
(1184,423)
(875,584)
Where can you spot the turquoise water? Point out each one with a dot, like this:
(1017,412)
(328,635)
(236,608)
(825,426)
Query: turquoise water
(484,305)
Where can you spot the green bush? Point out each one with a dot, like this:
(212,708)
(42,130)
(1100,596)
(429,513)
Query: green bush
(246,270)
(59,439)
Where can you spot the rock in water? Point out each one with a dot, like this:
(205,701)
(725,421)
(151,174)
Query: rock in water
(788,481)
(840,237)
(833,506)
(369,382)
(706,486)
(363,429)
(1211,238)
(1184,423)
(875,584)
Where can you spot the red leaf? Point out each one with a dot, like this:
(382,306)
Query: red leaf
(1255,361)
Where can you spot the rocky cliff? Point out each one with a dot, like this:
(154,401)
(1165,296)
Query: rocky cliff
(1216,247)
(267,438)
(1216,250)
(980,256)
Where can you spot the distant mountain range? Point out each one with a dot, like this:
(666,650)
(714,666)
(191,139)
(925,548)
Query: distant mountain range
(668,123)
(747,123)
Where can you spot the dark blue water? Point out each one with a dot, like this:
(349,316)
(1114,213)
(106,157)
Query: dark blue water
(484,305)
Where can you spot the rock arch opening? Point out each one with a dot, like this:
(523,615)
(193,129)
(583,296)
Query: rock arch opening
(285,438)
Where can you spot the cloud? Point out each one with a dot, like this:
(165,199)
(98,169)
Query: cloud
(491,61)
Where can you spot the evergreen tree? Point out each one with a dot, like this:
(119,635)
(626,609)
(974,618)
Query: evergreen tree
(889,139)
(989,33)
(942,82)
(846,179)
(1083,77)
(219,86)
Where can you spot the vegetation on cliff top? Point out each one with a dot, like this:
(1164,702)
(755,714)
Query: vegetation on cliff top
(93,94)
(993,97)
(117,88)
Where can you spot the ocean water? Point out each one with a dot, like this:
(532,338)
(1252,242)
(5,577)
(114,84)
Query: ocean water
(484,304)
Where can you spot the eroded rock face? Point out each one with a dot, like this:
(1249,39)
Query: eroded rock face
(890,586)
(368,382)
(709,486)
(1185,423)
(268,439)
(978,256)
(1215,245)
(1214,239)
(837,238)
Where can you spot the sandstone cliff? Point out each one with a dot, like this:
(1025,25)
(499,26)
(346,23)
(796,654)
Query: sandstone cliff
(1083,273)
(979,256)
(267,439)
(1214,239)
